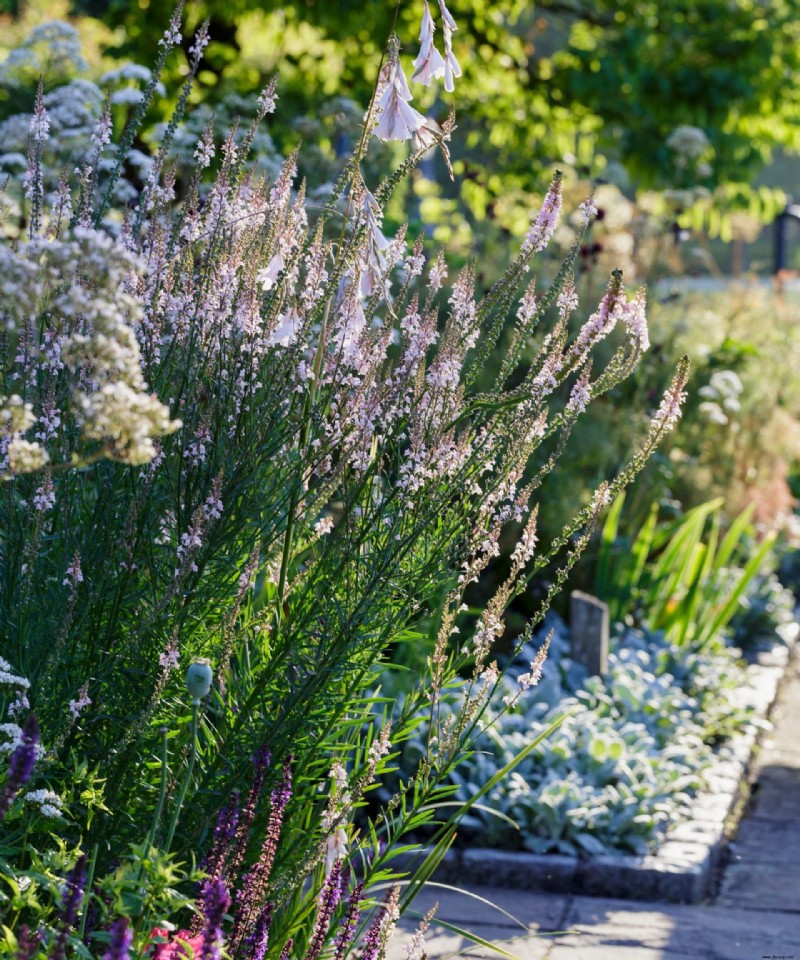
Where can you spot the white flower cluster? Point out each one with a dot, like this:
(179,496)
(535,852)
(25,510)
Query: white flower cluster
(49,803)
(90,330)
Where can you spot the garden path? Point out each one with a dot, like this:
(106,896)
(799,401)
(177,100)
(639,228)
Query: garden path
(756,915)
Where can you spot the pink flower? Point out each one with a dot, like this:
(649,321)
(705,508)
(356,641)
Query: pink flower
(182,946)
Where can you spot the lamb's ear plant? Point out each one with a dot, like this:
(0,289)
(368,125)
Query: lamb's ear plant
(238,427)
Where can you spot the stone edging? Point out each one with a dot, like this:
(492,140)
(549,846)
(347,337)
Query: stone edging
(683,868)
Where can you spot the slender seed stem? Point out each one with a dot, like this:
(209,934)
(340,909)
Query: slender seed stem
(186,779)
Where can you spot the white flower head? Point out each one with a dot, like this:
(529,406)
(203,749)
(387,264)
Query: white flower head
(49,803)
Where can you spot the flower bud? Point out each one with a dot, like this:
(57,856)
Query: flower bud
(198,679)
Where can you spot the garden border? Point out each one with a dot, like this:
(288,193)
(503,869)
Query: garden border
(683,869)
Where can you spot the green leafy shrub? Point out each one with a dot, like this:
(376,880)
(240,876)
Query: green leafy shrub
(243,455)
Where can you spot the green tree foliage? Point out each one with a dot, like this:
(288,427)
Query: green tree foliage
(559,81)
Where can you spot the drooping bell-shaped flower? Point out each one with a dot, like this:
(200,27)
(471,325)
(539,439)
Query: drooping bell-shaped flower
(396,119)
(452,69)
(429,63)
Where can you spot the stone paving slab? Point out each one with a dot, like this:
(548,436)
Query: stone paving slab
(707,932)
(441,943)
(776,797)
(536,911)
(761,886)
(768,840)
(616,952)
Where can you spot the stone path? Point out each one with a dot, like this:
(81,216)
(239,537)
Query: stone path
(755,917)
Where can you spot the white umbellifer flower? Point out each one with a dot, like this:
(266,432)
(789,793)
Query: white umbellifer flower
(688,141)
(16,416)
(396,119)
(7,676)
(13,733)
(25,457)
(49,803)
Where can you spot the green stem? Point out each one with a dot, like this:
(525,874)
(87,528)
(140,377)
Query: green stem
(162,791)
(186,779)
(88,888)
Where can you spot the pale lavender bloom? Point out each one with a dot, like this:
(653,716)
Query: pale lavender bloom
(636,320)
(172,35)
(528,680)
(40,120)
(580,396)
(267,98)
(669,410)
(527,304)
(101,135)
(544,226)
(73,575)
(323,525)
(285,334)
(396,119)
(437,274)
(205,150)
(267,276)
(169,658)
(201,41)
(567,300)
(45,497)
(82,701)
(588,210)
(429,63)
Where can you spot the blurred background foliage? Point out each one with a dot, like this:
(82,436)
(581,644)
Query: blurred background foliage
(681,115)
(597,87)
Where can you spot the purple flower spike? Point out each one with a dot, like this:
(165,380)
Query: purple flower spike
(254,885)
(225,831)
(27,942)
(328,899)
(121,938)
(21,765)
(261,760)
(348,926)
(216,903)
(71,900)
(256,944)
(286,953)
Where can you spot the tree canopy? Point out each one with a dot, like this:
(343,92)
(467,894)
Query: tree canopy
(589,84)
